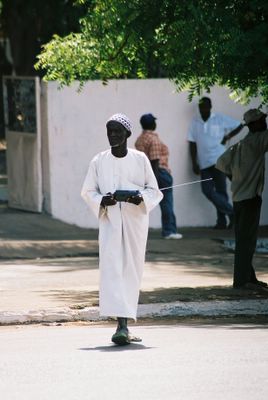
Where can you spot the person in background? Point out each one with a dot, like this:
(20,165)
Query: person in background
(207,135)
(123,222)
(244,164)
(158,154)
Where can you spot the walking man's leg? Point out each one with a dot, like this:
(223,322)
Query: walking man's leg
(247,216)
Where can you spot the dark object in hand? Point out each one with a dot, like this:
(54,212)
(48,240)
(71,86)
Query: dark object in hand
(108,200)
(131,196)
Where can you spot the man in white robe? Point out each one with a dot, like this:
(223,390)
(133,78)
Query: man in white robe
(123,225)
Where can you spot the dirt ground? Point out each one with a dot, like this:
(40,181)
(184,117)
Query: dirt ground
(207,255)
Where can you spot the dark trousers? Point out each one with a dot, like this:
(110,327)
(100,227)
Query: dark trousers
(168,218)
(215,191)
(247,218)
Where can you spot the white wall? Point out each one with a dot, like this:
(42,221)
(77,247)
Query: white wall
(76,132)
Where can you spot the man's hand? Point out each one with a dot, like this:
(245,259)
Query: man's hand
(135,199)
(108,200)
(224,140)
(233,133)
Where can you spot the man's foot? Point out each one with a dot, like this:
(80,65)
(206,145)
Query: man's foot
(121,337)
(261,283)
(134,339)
(252,286)
(173,236)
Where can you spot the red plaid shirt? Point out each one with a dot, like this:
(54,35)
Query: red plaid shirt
(151,145)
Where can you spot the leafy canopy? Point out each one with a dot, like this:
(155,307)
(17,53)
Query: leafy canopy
(197,44)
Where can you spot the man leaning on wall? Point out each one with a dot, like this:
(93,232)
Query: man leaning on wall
(207,135)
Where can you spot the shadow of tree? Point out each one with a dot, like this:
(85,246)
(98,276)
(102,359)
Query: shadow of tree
(81,299)
(186,294)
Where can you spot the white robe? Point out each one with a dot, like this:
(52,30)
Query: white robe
(123,228)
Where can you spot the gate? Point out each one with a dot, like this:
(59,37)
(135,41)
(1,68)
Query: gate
(23,136)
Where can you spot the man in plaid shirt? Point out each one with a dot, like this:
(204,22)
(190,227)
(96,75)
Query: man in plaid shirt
(158,154)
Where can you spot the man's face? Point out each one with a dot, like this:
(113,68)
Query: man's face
(205,109)
(117,134)
(258,126)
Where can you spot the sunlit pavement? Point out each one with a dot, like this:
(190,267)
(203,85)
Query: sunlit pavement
(190,361)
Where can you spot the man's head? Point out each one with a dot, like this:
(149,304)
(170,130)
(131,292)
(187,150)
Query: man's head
(118,129)
(147,122)
(255,120)
(205,106)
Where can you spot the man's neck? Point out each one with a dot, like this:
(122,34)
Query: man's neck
(120,151)
(205,117)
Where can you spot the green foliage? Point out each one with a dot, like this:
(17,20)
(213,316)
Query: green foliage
(195,44)
(109,46)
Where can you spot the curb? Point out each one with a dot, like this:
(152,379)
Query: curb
(177,309)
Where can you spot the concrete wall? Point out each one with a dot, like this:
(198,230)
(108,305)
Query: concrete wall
(75,132)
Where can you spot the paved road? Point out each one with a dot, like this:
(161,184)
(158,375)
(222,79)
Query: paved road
(179,361)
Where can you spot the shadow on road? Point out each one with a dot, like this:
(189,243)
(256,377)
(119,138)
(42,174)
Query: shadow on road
(114,348)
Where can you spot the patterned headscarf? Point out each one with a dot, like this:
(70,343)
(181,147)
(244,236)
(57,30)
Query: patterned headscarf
(122,119)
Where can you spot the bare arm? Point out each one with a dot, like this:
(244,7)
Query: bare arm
(193,153)
(232,133)
(155,167)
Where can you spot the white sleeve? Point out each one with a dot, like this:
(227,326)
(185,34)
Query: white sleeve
(90,190)
(151,193)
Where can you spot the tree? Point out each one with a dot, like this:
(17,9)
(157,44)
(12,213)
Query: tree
(196,44)
(29,24)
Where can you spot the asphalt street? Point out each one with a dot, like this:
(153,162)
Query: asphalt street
(193,361)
